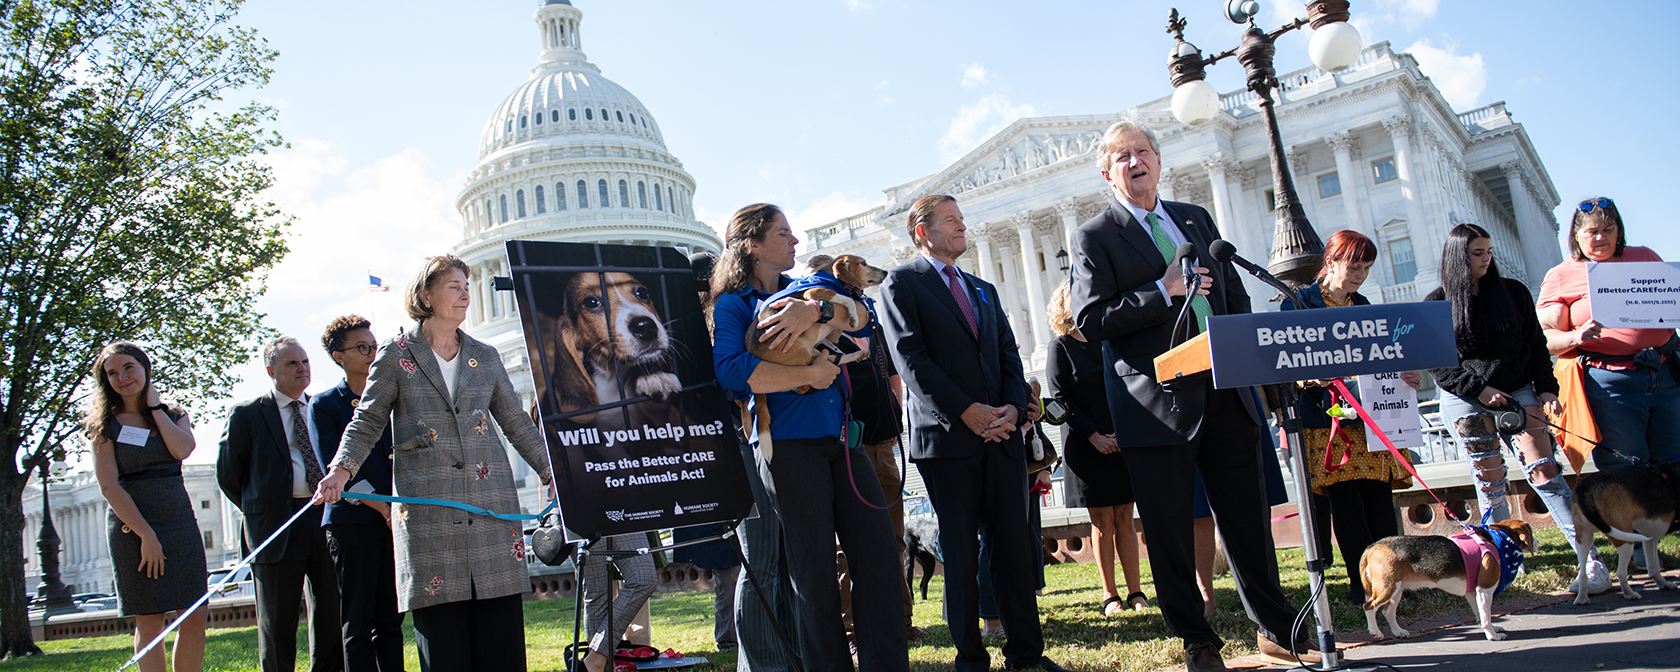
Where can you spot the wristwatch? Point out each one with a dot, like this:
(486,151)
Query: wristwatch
(159,407)
(825,312)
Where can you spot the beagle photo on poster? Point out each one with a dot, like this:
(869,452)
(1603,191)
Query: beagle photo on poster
(609,344)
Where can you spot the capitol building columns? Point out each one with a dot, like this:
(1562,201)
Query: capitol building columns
(1537,233)
(1425,254)
(1032,279)
(1344,144)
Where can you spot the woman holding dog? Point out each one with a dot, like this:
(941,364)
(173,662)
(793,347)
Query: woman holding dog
(459,575)
(810,474)
(1351,484)
(1628,375)
(1503,367)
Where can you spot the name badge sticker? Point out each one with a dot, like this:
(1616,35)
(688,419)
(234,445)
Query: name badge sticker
(134,436)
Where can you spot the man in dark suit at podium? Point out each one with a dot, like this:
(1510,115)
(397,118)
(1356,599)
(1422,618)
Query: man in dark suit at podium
(1128,292)
(967,395)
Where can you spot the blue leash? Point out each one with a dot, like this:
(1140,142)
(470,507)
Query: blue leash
(454,505)
(347,495)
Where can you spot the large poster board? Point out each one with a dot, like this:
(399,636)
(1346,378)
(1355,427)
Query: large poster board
(621,361)
(1285,346)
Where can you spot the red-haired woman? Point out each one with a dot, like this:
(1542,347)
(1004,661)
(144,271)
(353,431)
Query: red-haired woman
(1359,493)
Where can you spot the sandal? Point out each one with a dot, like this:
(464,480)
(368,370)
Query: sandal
(1137,601)
(1114,601)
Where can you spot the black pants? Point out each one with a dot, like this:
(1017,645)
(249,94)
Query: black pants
(280,584)
(986,493)
(1225,449)
(1362,511)
(485,635)
(813,492)
(367,596)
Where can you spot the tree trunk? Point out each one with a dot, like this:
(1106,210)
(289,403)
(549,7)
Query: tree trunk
(15,638)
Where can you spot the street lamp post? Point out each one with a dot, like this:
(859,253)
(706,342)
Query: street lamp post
(52,595)
(1062,260)
(1297,253)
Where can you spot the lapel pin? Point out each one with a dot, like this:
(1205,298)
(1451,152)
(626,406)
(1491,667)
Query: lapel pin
(355,403)
(472,363)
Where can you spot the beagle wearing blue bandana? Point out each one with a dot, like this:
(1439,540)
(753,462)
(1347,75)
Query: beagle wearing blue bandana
(1476,565)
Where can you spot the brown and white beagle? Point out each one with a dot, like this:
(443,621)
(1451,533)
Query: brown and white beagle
(609,344)
(1628,504)
(1395,564)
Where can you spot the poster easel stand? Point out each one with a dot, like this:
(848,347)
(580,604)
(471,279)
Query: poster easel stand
(587,551)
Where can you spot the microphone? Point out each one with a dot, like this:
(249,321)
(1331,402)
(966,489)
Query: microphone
(1186,258)
(1223,251)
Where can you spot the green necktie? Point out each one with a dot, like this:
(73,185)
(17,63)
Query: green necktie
(1198,303)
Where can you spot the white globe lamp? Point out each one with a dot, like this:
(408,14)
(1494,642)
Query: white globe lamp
(1334,46)
(1195,102)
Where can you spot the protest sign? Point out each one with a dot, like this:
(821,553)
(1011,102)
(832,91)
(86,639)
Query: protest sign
(637,426)
(1635,294)
(1394,406)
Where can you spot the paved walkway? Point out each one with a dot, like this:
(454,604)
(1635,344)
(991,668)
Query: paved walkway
(1550,635)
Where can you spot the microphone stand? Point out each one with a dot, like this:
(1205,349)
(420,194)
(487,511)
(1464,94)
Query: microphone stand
(1284,397)
(1192,285)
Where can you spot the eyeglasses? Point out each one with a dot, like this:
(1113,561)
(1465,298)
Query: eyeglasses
(364,349)
(1603,203)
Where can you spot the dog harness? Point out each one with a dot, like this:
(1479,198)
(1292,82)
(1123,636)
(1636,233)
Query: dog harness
(1504,549)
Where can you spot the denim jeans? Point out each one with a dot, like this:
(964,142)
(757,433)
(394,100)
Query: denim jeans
(1637,412)
(1479,443)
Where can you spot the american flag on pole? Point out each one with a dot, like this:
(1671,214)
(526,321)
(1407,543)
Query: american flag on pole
(377,285)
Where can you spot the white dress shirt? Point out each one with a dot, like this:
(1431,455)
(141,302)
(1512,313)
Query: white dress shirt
(1168,226)
(300,484)
(939,267)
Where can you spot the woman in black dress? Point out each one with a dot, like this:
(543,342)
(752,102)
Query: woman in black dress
(1097,478)
(138,445)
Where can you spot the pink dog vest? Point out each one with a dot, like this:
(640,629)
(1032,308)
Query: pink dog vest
(1472,547)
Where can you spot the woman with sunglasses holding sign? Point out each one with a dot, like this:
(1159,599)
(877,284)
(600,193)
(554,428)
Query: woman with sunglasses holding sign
(1503,366)
(1629,374)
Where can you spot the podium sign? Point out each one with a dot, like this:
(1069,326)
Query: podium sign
(1286,346)
(1635,294)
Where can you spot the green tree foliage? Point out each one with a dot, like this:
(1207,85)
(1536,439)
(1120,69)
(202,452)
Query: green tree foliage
(130,207)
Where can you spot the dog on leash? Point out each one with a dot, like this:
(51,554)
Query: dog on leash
(609,344)
(1395,564)
(921,544)
(1627,504)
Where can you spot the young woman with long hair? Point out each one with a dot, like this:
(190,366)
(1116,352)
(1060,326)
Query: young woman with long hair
(156,552)
(1502,359)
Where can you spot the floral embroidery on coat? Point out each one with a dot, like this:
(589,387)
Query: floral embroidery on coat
(483,471)
(437,583)
(518,545)
(409,366)
(402,342)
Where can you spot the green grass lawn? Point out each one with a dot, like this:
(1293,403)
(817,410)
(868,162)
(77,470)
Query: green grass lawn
(1076,634)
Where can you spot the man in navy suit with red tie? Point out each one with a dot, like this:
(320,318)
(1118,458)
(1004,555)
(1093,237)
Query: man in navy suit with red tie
(967,396)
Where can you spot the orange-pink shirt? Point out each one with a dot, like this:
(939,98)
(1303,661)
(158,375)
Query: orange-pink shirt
(1566,285)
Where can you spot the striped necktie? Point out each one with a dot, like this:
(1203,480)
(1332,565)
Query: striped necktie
(1198,303)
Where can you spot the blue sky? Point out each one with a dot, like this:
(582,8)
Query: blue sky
(817,105)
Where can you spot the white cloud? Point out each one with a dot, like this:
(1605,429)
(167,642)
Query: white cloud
(381,218)
(1461,79)
(974,123)
(825,210)
(858,5)
(1416,11)
(973,75)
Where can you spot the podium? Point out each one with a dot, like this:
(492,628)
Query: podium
(1273,350)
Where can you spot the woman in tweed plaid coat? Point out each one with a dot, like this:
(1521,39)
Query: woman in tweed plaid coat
(461,575)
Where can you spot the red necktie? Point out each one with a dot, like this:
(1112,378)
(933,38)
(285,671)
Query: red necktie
(962,301)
